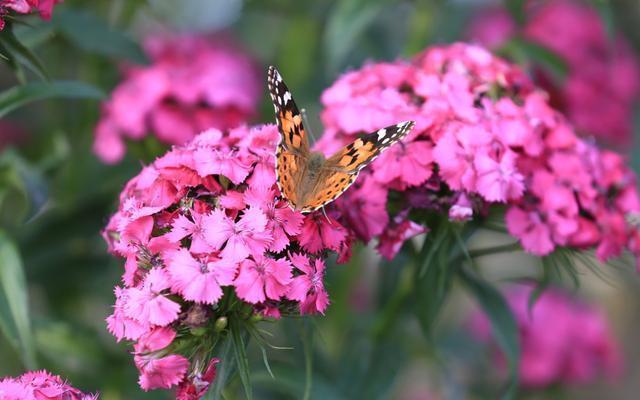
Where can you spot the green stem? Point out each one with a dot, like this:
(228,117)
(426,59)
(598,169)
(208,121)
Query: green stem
(503,248)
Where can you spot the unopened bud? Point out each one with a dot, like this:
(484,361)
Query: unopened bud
(221,324)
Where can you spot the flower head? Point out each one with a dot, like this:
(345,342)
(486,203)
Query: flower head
(193,83)
(38,385)
(563,340)
(205,240)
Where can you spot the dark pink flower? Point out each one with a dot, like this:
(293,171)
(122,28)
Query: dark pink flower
(320,232)
(394,236)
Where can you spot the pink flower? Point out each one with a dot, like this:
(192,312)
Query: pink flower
(40,385)
(197,280)
(282,221)
(44,8)
(533,233)
(563,340)
(183,227)
(240,239)
(149,303)
(484,134)
(194,231)
(320,232)
(499,180)
(197,384)
(399,231)
(263,278)
(193,83)
(574,31)
(119,324)
(409,164)
(308,288)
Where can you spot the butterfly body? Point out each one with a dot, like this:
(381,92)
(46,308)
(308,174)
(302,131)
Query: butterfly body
(306,179)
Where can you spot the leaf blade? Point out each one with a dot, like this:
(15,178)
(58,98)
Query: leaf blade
(14,288)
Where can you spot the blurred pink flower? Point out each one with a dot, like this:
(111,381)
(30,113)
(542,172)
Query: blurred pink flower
(43,7)
(603,80)
(40,385)
(484,134)
(193,83)
(399,231)
(563,340)
(192,237)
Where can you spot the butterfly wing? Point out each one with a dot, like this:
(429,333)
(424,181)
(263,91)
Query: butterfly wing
(357,155)
(292,154)
(341,170)
(288,117)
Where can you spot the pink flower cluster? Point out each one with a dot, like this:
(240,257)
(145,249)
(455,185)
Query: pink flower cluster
(484,135)
(201,228)
(39,385)
(562,339)
(603,82)
(43,7)
(192,84)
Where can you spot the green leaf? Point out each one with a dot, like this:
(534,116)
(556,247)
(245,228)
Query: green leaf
(526,52)
(433,277)
(503,324)
(92,34)
(14,49)
(517,10)
(24,189)
(240,352)
(224,370)
(14,310)
(17,96)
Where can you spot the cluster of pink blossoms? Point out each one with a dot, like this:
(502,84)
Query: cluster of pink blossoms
(43,7)
(484,135)
(563,340)
(603,80)
(201,228)
(192,84)
(40,385)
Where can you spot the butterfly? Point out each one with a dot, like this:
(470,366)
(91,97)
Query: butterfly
(306,179)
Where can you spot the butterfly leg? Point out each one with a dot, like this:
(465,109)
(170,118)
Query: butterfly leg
(325,215)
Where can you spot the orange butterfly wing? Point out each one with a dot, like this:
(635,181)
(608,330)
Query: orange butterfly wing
(341,170)
(293,150)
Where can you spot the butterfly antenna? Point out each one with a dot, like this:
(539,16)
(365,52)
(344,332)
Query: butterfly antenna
(307,125)
(326,216)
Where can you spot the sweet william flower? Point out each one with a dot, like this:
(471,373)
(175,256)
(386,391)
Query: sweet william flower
(201,248)
(192,83)
(199,281)
(240,239)
(40,385)
(263,278)
(308,287)
(149,303)
(563,340)
(485,132)
(574,31)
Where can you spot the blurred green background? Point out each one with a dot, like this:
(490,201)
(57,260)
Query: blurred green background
(55,197)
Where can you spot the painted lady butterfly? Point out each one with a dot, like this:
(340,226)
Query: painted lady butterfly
(308,180)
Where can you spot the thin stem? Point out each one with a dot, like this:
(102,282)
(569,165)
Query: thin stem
(503,248)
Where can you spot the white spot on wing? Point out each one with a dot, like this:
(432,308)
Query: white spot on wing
(381,133)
